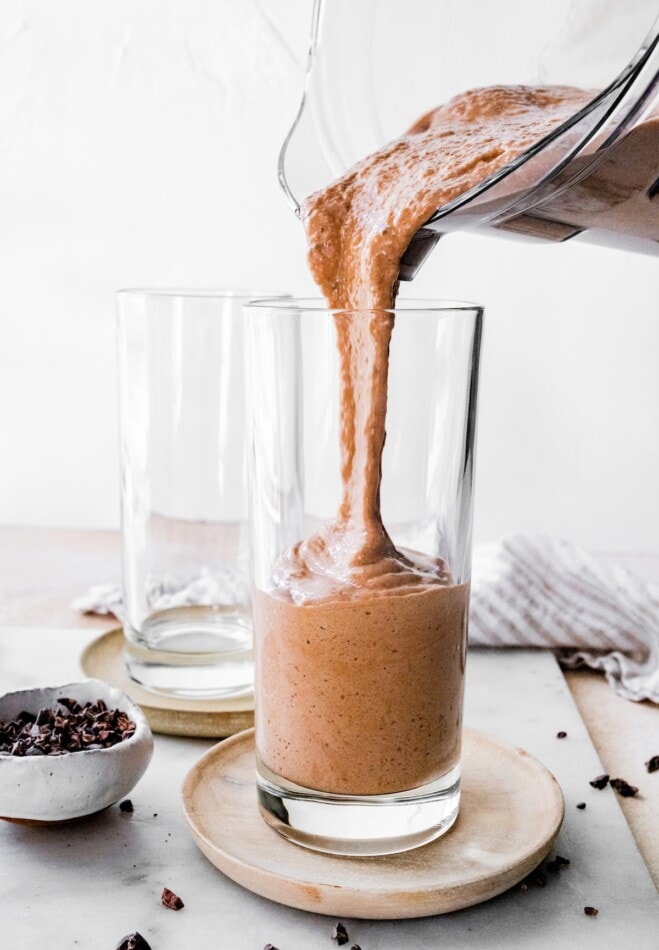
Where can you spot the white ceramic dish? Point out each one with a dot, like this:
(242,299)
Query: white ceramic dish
(64,787)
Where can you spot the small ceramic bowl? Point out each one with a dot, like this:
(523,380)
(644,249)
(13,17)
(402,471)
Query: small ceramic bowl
(51,788)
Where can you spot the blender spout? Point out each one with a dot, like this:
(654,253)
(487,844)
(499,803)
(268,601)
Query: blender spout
(416,254)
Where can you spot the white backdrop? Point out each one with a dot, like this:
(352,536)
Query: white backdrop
(138,145)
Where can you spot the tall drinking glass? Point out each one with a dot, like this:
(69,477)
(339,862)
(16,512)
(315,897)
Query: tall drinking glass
(360,659)
(187,612)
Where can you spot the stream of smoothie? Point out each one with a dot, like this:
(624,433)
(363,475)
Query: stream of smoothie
(362,643)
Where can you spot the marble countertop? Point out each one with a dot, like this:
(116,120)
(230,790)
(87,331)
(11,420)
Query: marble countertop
(87,885)
(90,883)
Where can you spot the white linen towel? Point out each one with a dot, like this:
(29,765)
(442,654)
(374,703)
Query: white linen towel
(532,590)
(527,591)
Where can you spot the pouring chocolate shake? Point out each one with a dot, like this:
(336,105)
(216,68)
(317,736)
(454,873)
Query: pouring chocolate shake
(360,640)
(593,177)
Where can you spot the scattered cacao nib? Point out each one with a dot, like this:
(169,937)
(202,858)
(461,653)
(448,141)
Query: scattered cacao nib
(652,764)
(126,805)
(171,900)
(591,911)
(581,805)
(536,878)
(561,735)
(600,782)
(557,863)
(69,727)
(355,946)
(624,788)
(340,934)
(270,946)
(134,942)
(71,704)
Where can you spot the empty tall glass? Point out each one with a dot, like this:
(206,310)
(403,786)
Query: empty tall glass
(187,612)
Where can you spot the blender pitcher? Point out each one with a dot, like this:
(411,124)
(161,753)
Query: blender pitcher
(374,66)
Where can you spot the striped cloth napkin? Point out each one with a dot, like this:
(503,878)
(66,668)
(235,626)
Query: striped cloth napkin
(527,591)
(537,591)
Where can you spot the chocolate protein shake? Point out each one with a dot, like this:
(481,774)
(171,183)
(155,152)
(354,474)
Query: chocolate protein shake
(362,645)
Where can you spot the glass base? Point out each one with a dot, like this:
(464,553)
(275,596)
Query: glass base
(365,825)
(193,652)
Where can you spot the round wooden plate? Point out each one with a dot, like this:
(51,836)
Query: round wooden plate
(202,718)
(511,811)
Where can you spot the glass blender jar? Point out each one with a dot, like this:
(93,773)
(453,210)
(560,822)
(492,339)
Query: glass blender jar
(374,67)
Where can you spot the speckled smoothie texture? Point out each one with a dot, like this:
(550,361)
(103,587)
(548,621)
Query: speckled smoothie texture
(363,697)
(359,227)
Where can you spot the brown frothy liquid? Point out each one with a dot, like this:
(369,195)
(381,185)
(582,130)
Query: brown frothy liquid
(362,697)
(361,653)
(359,228)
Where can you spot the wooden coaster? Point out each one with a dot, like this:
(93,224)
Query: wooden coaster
(511,811)
(202,718)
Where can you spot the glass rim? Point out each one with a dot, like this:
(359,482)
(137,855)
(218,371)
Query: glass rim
(201,292)
(408,305)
